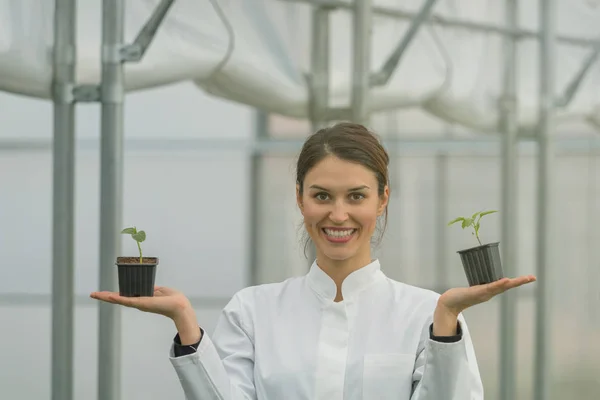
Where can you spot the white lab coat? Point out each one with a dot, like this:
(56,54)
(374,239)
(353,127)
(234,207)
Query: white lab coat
(291,341)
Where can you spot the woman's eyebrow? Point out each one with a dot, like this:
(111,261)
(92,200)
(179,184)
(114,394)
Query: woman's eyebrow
(350,190)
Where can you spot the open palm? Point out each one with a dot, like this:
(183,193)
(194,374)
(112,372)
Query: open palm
(459,299)
(166,301)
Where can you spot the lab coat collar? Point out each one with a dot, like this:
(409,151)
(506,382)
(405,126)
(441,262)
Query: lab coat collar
(354,283)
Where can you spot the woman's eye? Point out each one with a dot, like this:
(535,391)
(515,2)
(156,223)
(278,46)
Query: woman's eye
(321,196)
(357,196)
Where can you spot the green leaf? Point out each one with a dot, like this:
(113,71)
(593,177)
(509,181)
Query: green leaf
(488,212)
(467,222)
(475,215)
(129,231)
(456,220)
(140,236)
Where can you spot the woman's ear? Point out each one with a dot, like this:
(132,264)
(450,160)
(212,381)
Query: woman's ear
(383,201)
(299,199)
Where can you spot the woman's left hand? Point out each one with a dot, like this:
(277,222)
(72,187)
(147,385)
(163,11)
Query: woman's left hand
(454,301)
(459,299)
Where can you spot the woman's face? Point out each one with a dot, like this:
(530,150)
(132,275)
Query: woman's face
(340,205)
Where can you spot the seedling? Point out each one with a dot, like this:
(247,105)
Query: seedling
(138,236)
(473,221)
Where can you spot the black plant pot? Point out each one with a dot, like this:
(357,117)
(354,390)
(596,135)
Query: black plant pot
(136,279)
(482,264)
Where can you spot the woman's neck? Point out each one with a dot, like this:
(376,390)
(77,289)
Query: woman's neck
(338,270)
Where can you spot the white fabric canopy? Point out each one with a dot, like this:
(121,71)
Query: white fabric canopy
(257,52)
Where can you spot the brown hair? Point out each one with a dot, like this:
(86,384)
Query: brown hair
(346,141)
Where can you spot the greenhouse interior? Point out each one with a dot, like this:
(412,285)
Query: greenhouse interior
(480,104)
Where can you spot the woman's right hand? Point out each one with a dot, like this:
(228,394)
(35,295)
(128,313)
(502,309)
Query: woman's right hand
(168,302)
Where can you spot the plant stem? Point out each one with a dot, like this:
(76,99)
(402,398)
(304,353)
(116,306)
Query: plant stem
(140,248)
(477,236)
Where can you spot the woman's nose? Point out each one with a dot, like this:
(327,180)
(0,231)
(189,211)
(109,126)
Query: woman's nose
(338,214)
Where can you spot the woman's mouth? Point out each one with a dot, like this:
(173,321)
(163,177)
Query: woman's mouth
(338,235)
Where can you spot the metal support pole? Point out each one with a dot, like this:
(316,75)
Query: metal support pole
(111,92)
(63,199)
(261,132)
(510,229)
(543,329)
(441,219)
(319,77)
(361,60)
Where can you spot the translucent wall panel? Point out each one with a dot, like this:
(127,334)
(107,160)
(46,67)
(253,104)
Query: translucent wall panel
(192,205)
(194,209)
(147,371)
(281,249)
(26,230)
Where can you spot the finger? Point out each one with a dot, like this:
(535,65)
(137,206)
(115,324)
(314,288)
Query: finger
(115,298)
(516,282)
(134,302)
(505,284)
(522,280)
(104,296)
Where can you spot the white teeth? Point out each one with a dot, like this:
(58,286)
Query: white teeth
(339,234)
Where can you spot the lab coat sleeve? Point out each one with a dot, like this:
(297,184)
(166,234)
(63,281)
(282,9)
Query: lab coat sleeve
(447,371)
(222,367)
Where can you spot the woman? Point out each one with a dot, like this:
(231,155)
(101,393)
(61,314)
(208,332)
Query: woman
(344,330)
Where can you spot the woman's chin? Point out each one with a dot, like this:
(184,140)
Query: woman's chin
(339,254)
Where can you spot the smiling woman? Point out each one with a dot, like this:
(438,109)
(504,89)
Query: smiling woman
(342,190)
(343,331)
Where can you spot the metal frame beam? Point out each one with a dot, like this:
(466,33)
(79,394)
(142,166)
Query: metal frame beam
(283,146)
(573,86)
(363,11)
(137,50)
(382,77)
(457,23)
